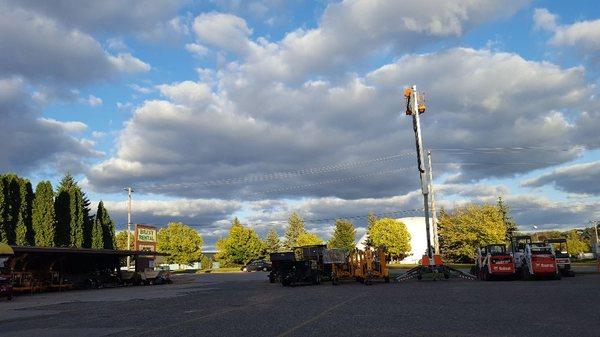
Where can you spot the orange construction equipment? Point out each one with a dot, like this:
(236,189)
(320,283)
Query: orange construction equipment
(369,265)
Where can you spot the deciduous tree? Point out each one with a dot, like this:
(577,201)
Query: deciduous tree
(465,229)
(241,245)
(181,242)
(392,234)
(121,241)
(308,239)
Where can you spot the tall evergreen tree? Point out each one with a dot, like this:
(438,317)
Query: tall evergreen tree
(43,216)
(97,234)
(371,219)
(12,207)
(3,212)
(23,231)
(343,235)
(88,220)
(272,242)
(293,231)
(72,215)
(103,229)
(509,223)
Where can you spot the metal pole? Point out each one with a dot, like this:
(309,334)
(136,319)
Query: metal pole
(421,166)
(129,190)
(436,242)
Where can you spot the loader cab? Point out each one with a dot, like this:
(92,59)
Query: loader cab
(495,249)
(518,243)
(559,246)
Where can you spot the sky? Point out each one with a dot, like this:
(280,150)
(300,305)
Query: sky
(253,109)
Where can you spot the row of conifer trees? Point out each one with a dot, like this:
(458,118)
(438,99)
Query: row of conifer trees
(49,218)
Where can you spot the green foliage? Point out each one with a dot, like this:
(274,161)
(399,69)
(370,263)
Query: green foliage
(23,231)
(206,262)
(97,235)
(392,234)
(15,210)
(464,230)
(343,235)
(72,214)
(509,224)
(272,242)
(293,231)
(43,216)
(121,241)
(181,242)
(11,204)
(371,219)
(308,239)
(240,246)
(4,228)
(576,244)
(103,229)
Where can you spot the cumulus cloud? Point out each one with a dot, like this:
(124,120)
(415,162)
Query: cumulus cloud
(43,50)
(348,31)
(93,100)
(28,140)
(237,128)
(578,178)
(113,16)
(583,35)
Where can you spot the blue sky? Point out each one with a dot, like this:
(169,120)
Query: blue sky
(201,105)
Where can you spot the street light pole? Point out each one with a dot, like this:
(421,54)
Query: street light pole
(129,190)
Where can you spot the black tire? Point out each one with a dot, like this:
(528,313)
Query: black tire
(386,279)
(317,279)
(526,274)
(9,297)
(271,280)
(558,276)
(285,283)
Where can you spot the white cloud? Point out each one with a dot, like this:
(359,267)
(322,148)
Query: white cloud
(224,31)
(543,19)
(240,127)
(28,141)
(196,49)
(93,100)
(126,63)
(584,35)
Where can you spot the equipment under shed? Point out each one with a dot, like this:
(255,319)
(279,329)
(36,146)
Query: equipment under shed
(35,269)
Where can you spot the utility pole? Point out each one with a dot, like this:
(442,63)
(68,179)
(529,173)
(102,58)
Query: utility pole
(129,191)
(413,108)
(436,242)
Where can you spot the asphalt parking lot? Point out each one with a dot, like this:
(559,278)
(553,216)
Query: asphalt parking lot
(245,304)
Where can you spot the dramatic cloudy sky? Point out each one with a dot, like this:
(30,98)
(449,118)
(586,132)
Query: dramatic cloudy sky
(216,109)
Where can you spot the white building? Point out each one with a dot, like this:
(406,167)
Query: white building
(418,239)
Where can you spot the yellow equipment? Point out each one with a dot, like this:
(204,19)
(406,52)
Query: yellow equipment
(369,265)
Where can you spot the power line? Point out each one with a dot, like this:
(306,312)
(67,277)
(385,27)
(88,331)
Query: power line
(333,181)
(282,175)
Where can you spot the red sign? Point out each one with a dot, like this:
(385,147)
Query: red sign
(145,238)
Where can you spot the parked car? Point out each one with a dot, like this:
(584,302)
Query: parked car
(257,265)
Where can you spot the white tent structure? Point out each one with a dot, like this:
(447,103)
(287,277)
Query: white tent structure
(418,240)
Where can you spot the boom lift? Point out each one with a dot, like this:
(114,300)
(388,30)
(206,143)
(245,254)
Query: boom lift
(430,263)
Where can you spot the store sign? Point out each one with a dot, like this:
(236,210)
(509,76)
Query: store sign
(145,238)
(146,234)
